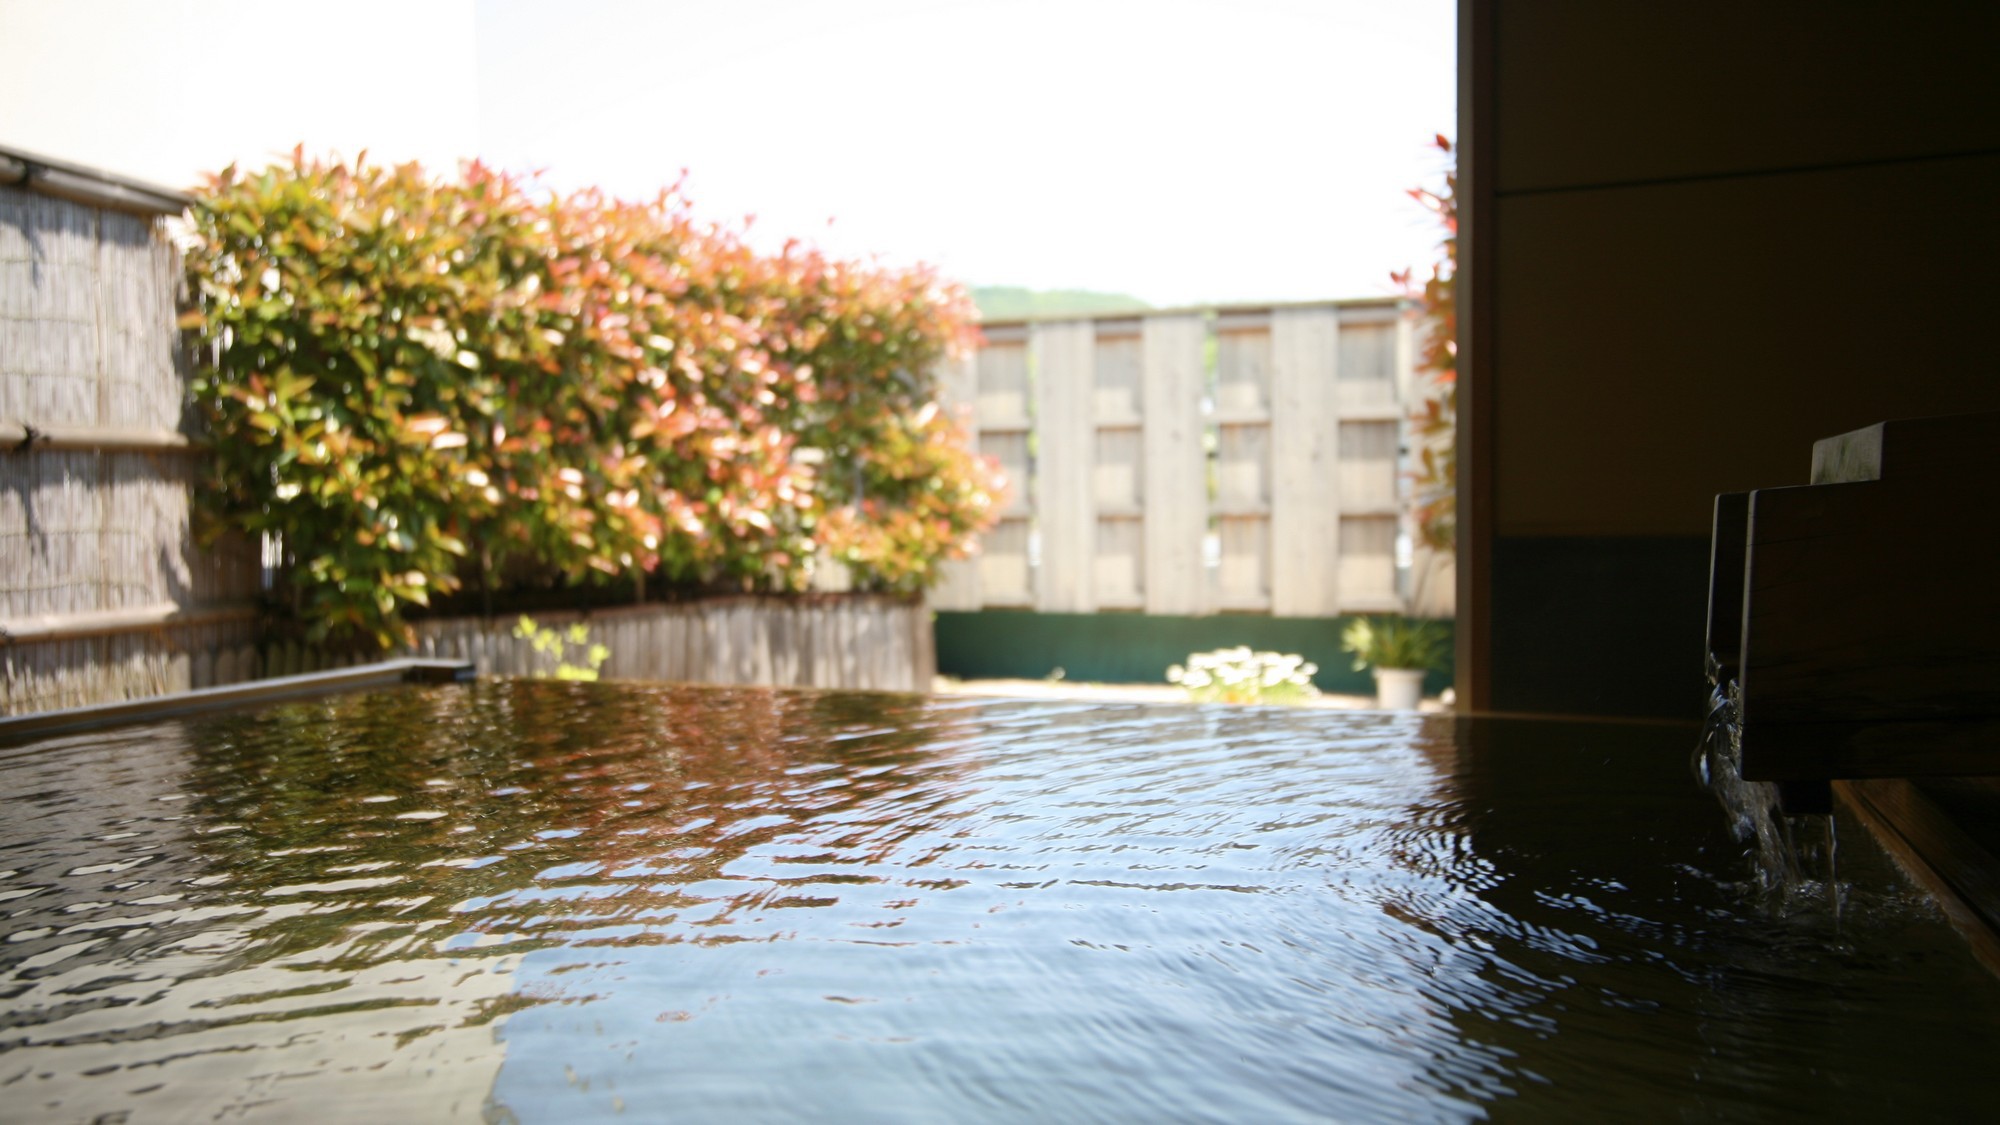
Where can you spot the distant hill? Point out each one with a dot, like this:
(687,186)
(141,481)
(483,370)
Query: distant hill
(1011,302)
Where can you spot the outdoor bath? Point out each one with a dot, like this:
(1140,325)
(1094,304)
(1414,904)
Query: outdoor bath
(534,901)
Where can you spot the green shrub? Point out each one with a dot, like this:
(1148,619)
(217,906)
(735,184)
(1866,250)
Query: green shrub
(416,381)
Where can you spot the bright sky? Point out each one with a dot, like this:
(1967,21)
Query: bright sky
(1181,151)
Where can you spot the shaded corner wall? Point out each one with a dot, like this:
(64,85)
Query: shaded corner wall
(1132,648)
(1702,236)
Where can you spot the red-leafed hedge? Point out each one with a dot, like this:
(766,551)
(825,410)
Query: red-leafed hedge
(415,382)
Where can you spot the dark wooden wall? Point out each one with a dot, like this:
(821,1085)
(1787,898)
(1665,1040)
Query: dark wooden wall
(1699,236)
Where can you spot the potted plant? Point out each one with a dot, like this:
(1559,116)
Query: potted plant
(1400,650)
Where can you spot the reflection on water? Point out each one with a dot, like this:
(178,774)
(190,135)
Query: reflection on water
(545,901)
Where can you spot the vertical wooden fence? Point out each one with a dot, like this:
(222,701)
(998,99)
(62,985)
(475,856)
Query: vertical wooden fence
(1187,463)
(872,641)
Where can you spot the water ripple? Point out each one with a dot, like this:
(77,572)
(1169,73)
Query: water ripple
(553,900)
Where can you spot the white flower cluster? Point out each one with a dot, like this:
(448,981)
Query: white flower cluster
(1238,672)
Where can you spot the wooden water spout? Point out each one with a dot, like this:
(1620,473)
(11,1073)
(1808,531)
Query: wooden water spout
(1860,614)
(1858,620)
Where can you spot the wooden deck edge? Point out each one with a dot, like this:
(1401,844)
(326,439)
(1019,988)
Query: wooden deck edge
(40,724)
(1961,874)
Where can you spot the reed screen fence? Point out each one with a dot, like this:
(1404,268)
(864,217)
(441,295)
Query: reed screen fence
(104,593)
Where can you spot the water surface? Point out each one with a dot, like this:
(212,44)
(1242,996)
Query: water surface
(556,902)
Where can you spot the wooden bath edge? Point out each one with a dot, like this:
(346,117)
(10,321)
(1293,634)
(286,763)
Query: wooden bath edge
(1961,873)
(382,674)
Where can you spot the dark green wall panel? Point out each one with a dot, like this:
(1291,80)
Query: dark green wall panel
(1126,648)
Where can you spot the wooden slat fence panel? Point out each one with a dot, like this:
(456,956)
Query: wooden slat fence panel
(1117,467)
(958,393)
(1183,463)
(1367,382)
(1305,523)
(1065,509)
(1367,564)
(1365,480)
(1175,466)
(1374,354)
(1001,412)
(1243,461)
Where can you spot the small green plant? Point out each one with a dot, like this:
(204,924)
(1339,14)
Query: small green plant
(1394,642)
(565,645)
(1237,675)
